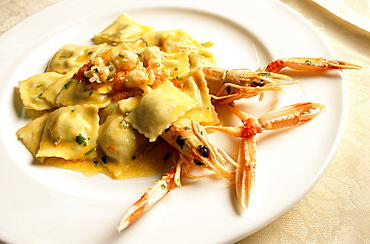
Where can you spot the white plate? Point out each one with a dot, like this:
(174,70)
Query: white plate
(49,205)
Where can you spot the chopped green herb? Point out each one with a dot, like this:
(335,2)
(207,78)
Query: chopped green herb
(111,69)
(265,73)
(81,140)
(73,110)
(96,70)
(187,128)
(121,55)
(91,92)
(175,69)
(39,86)
(95,162)
(68,84)
(308,62)
(110,77)
(163,187)
(90,151)
(180,141)
(89,53)
(63,56)
(139,55)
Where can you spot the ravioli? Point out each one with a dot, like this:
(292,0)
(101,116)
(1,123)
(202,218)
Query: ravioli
(123,29)
(52,91)
(158,109)
(173,41)
(177,64)
(80,93)
(72,55)
(118,140)
(195,86)
(70,133)
(32,90)
(201,59)
(31,134)
(126,152)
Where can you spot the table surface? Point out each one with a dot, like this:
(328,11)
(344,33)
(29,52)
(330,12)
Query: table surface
(337,209)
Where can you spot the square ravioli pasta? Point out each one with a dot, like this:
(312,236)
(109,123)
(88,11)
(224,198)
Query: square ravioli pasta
(70,133)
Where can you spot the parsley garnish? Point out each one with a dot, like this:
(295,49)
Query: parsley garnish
(265,73)
(81,140)
(68,84)
(180,141)
(90,151)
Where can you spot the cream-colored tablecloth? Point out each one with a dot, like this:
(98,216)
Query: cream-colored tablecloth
(337,210)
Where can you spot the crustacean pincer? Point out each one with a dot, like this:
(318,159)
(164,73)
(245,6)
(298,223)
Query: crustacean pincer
(285,117)
(308,64)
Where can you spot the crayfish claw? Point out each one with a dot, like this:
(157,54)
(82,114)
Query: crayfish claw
(291,115)
(245,173)
(155,193)
(309,64)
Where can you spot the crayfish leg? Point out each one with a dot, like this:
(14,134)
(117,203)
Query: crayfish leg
(309,64)
(155,193)
(245,173)
(290,116)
